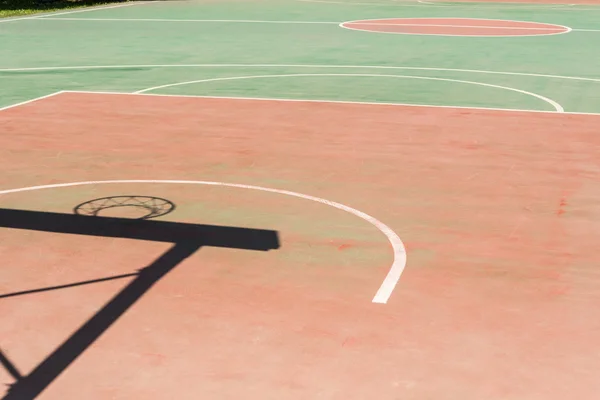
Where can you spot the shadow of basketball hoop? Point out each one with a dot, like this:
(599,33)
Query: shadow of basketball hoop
(87,220)
(145,207)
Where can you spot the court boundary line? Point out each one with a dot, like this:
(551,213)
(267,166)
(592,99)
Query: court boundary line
(22,103)
(370,103)
(558,108)
(439,69)
(245,21)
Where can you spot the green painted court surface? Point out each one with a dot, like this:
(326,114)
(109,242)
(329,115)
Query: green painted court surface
(295,49)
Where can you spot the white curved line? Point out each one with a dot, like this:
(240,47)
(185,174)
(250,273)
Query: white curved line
(459,26)
(566,28)
(475,71)
(553,103)
(389,283)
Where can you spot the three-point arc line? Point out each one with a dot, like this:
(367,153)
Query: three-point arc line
(389,283)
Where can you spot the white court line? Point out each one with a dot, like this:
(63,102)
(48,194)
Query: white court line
(30,101)
(553,103)
(248,21)
(390,281)
(244,21)
(384,67)
(458,26)
(84,9)
(368,103)
(566,29)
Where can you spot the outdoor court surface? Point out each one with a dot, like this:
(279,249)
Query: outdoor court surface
(350,200)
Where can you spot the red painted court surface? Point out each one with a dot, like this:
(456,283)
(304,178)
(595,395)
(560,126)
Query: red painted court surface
(495,209)
(456,27)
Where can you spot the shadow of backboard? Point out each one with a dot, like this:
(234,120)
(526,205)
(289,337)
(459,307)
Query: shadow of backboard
(186,238)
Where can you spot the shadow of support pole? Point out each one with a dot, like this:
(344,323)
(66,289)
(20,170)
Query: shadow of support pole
(9,366)
(32,385)
(66,286)
(187,239)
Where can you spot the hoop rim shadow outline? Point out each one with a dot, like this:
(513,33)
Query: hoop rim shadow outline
(152,210)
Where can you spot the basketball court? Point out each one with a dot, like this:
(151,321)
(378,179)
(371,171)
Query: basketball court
(303,199)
